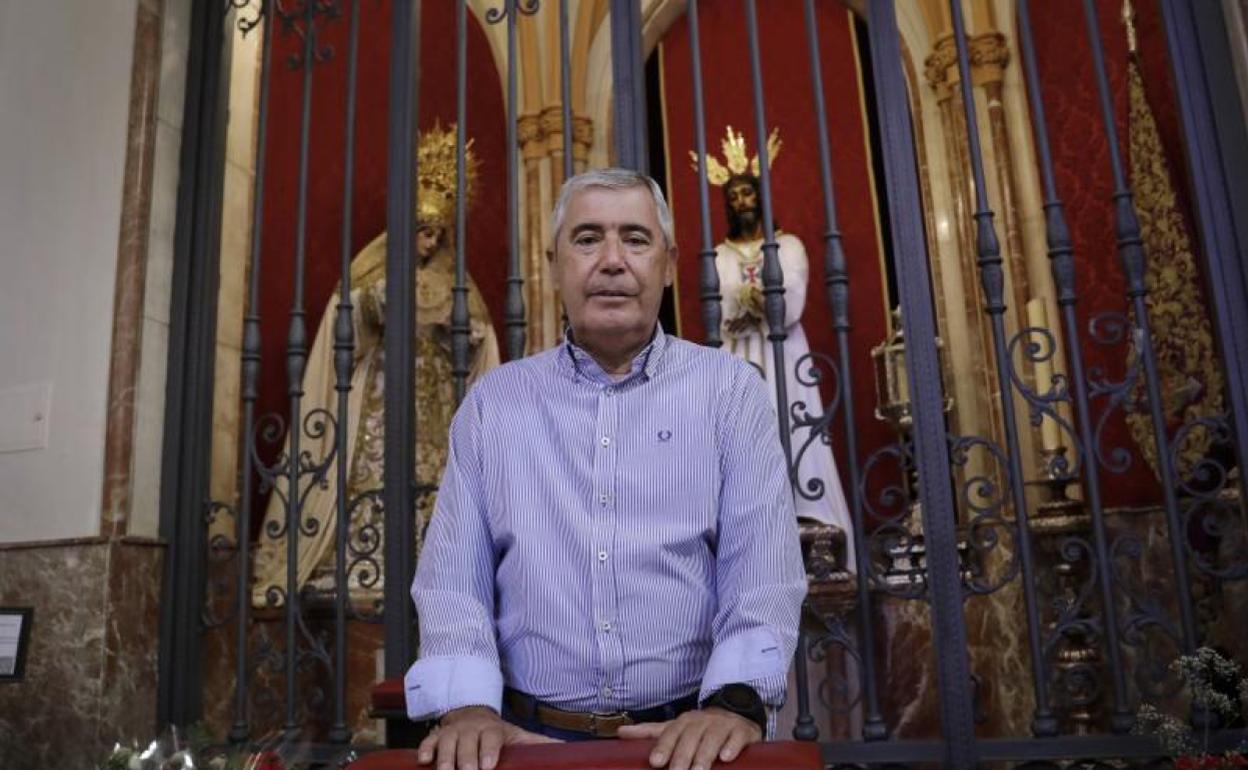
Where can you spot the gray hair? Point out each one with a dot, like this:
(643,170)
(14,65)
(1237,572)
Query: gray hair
(614,179)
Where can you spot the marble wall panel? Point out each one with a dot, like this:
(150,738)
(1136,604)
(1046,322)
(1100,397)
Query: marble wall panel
(149,430)
(90,673)
(131,641)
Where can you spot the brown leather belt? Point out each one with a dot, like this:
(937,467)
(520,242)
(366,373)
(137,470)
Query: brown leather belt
(599,725)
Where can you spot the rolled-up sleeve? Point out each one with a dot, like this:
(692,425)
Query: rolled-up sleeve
(454,588)
(760,580)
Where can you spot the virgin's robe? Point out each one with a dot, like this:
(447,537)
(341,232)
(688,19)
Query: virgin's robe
(365,427)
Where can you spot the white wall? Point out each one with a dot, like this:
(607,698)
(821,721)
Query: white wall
(64,99)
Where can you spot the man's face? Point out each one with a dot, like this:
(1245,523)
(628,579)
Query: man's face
(743,203)
(427,237)
(611,262)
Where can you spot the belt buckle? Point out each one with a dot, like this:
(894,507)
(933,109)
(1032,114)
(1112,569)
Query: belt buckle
(608,724)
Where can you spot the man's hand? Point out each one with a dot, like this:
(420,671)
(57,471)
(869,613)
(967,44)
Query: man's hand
(470,738)
(695,739)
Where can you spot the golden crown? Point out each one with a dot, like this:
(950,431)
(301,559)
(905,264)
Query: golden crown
(736,159)
(435,167)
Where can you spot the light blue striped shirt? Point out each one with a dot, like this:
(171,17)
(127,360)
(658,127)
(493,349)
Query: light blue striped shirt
(609,545)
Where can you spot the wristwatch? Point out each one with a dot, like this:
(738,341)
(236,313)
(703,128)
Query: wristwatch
(742,700)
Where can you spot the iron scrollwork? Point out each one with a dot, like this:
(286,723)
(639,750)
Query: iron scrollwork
(249,17)
(301,20)
(525,7)
(984,499)
(811,370)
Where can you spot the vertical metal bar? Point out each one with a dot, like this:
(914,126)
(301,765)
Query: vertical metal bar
(240,729)
(513,305)
(565,87)
(344,354)
(1062,263)
(188,391)
(708,277)
(836,279)
(400,441)
(1213,190)
(459,292)
(992,278)
(773,301)
(773,274)
(932,450)
(628,74)
(296,359)
(1131,255)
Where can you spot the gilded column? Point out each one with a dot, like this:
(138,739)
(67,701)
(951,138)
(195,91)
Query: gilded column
(532,149)
(552,129)
(989,56)
(582,141)
(937,70)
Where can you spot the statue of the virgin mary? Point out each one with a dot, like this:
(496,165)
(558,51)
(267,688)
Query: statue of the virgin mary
(365,424)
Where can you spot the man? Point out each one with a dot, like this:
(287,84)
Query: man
(614,551)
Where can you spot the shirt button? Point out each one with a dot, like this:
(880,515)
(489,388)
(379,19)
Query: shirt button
(606,626)
(604,498)
(610,391)
(602,556)
(607,692)
(605,441)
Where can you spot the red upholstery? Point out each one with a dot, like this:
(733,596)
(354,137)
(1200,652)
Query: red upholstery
(388,697)
(608,755)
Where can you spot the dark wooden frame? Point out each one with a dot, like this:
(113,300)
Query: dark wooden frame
(27,615)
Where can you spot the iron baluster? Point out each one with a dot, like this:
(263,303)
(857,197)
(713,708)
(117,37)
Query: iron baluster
(344,353)
(1212,196)
(513,304)
(400,440)
(459,292)
(992,278)
(773,274)
(565,90)
(708,276)
(836,282)
(628,76)
(1062,263)
(240,729)
(1131,256)
(773,299)
(930,439)
(296,358)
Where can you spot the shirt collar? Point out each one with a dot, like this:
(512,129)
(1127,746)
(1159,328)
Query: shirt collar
(576,363)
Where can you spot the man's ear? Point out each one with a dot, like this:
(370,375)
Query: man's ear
(670,273)
(550,256)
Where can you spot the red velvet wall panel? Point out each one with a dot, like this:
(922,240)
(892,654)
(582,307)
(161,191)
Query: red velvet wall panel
(486,242)
(796,183)
(1081,159)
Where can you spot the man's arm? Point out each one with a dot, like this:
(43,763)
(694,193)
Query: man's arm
(454,588)
(760,579)
(760,582)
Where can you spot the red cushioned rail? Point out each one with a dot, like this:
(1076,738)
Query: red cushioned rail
(388,697)
(608,755)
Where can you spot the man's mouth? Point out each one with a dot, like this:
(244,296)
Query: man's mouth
(611,293)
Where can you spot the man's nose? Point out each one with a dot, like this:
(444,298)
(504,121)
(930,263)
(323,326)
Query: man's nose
(612,259)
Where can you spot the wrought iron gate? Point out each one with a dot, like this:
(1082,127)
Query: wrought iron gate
(967,533)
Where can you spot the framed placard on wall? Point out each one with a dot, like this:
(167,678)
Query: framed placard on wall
(14,641)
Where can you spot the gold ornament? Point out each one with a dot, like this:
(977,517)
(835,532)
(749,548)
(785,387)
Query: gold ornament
(736,160)
(1192,385)
(435,184)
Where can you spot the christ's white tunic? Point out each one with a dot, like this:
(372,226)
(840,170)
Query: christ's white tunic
(740,267)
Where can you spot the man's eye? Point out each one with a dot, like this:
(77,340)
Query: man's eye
(585,240)
(638,241)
